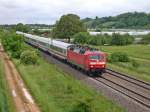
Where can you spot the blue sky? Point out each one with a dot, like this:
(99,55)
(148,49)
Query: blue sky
(48,11)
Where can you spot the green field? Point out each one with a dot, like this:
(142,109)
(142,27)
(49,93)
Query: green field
(140,53)
(6,103)
(56,91)
(139,73)
(135,51)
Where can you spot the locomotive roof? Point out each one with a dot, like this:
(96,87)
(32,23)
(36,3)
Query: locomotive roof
(93,52)
(86,50)
(75,46)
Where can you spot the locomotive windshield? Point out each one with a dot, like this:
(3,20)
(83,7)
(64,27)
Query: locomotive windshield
(96,57)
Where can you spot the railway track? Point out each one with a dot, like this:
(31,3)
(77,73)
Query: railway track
(138,82)
(140,103)
(135,92)
(135,89)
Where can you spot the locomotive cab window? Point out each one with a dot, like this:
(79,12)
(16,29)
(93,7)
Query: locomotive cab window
(96,57)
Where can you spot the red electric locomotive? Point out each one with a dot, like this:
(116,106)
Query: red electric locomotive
(89,59)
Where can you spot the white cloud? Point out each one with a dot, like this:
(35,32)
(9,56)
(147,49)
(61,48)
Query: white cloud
(48,11)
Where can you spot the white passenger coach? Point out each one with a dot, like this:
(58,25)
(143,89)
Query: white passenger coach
(52,46)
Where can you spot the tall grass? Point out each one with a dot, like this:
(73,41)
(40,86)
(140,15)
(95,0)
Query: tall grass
(56,91)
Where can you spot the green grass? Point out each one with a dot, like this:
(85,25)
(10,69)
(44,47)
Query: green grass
(140,53)
(127,68)
(136,51)
(6,103)
(56,91)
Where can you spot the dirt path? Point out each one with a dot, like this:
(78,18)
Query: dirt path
(21,96)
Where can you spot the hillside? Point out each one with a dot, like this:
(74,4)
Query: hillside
(135,20)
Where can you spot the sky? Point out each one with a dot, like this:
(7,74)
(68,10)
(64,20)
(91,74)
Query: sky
(48,11)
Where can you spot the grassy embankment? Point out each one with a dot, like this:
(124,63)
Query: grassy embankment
(140,53)
(56,91)
(6,103)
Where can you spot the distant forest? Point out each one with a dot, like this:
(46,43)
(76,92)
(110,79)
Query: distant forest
(32,26)
(133,20)
(130,20)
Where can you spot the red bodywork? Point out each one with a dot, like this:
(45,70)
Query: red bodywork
(85,62)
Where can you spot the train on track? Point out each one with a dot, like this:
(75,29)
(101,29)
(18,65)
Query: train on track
(86,58)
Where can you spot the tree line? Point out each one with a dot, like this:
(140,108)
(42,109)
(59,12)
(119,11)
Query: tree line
(71,27)
(114,39)
(145,39)
(14,45)
(132,20)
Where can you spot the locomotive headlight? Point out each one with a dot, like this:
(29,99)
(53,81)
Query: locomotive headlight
(101,63)
(92,63)
(92,66)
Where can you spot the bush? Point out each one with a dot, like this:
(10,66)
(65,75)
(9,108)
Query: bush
(115,39)
(13,43)
(135,64)
(83,106)
(119,57)
(29,57)
(100,39)
(16,54)
(118,39)
(81,38)
(95,41)
(109,58)
(146,39)
(21,27)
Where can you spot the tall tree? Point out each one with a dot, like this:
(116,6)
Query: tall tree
(67,26)
(22,27)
